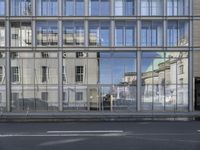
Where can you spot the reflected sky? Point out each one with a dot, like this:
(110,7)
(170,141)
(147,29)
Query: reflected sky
(113,66)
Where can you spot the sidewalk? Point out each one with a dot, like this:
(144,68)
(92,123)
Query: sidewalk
(98,116)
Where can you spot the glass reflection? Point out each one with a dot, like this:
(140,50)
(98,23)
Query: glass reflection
(73,33)
(73,7)
(177,7)
(47,33)
(106,81)
(21,34)
(124,7)
(151,7)
(2,7)
(2,34)
(21,8)
(177,33)
(162,76)
(99,33)
(47,8)
(34,88)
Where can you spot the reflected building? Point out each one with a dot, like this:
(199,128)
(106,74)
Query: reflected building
(99,55)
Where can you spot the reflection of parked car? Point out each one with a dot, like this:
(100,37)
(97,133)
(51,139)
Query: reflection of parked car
(30,104)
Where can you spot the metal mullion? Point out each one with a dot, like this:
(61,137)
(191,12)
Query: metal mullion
(153,85)
(175,104)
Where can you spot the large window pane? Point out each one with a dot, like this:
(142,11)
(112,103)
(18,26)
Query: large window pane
(47,33)
(21,7)
(99,7)
(177,33)
(21,34)
(99,33)
(73,7)
(152,7)
(124,7)
(47,8)
(73,33)
(29,90)
(125,34)
(151,34)
(177,7)
(165,81)
(118,77)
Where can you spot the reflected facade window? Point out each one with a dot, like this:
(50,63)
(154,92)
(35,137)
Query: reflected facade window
(2,7)
(162,82)
(99,33)
(152,7)
(73,33)
(124,7)
(125,33)
(21,8)
(47,33)
(152,33)
(99,7)
(21,34)
(47,8)
(177,33)
(2,34)
(177,7)
(73,7)
(79,73)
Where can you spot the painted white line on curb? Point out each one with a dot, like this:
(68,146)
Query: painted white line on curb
(92,131)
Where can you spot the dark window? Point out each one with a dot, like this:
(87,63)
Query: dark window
(79,74)
(44,73)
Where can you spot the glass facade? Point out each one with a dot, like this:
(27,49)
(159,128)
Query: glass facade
(21,34)
(47,33)
(2,34)
(124,7)
(2,7)
(73,33)
(152,7)
(99,33)
(164,81)
(177,33)
(103,55)
(21,8)
(99,8)
(177,7)
(47,7)
(125,33)
(73,8)
(151,33)
(34,81)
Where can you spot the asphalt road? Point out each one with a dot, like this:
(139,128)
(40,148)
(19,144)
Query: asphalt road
(100,136)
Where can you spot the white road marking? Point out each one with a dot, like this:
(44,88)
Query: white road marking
(92,131)
(198,130)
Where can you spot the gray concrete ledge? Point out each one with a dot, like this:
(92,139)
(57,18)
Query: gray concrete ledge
(98,116)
